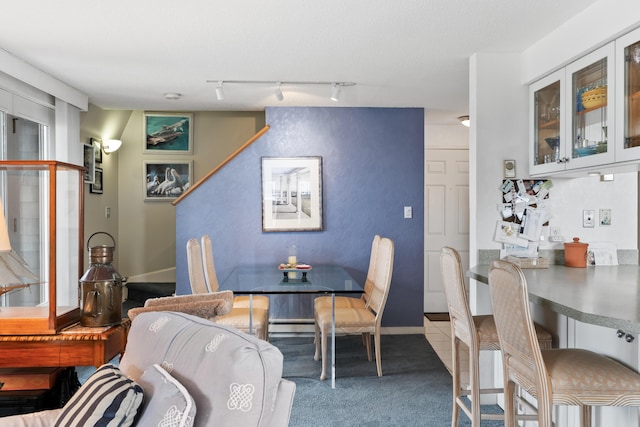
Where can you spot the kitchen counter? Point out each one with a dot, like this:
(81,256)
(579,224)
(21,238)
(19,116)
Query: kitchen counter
(605,295)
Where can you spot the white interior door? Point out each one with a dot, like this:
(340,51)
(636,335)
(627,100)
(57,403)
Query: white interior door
(446,221)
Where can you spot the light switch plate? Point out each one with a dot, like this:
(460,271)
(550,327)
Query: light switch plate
(408,212)
(588,218)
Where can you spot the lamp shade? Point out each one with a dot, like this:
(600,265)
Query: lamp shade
(111,145)
(5,243)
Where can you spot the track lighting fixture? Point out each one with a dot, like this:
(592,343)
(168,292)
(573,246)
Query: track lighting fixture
(219,92)
(336,87)
(173,96)
(279,94)
(464,121)
(335,92)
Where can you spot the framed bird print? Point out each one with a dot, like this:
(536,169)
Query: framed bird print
(166,181)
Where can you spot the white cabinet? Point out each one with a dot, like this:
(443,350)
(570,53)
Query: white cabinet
(628,97)
(546,124)
(569,115)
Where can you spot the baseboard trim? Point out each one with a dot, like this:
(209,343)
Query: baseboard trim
(309,329)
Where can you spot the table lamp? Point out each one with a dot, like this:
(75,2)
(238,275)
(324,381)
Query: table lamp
(12,266)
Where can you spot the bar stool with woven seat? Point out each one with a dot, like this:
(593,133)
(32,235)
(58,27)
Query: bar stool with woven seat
(477,332)
(559,376)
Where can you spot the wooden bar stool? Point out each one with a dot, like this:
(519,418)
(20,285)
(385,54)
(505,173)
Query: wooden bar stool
(554,377)
(478,333)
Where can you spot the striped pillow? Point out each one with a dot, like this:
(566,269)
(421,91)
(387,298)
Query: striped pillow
(107,398)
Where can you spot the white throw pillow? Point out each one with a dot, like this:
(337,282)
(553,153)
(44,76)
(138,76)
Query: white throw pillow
(167,402)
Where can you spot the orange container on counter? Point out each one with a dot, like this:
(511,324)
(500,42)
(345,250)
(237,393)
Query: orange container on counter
(575,253)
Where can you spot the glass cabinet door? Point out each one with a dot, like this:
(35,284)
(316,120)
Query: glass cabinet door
(591,92)
(628,96)
(546,100)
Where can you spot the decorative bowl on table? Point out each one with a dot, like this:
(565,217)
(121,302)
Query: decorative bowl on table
(294,267)
(291,272)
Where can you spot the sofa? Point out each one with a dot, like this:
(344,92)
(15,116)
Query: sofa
(226,377)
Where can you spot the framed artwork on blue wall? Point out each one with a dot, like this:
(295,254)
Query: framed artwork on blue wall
(292,193)
(166,181)
(168,133)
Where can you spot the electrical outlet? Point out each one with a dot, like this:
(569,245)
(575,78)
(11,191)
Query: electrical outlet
(555,235)
(588,218)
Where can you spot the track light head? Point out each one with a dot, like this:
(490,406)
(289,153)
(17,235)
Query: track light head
(335,92)
(279,94)
(219,91)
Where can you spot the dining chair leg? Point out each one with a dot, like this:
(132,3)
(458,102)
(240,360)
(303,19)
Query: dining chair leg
(510,404)
(474,385)
(317,342)
(585,416)
(378,356)
(455,360)
(366,337)
(323,338)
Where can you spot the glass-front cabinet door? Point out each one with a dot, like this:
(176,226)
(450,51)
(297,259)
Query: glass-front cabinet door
(590,91)
(628,96)
(546,101)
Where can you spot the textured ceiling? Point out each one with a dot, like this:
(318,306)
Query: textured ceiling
(126,54)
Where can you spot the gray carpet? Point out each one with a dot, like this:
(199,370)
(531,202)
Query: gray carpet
(415,389)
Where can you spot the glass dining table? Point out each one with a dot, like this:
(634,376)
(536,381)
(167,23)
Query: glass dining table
(319,279)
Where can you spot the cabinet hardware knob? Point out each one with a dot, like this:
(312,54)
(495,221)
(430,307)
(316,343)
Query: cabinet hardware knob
(629,338)
(620,333)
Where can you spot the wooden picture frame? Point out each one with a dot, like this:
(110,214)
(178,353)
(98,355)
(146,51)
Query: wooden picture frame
(97,146)
(89,159)
(291,194)
(166,180)
(97,186)
(168,133)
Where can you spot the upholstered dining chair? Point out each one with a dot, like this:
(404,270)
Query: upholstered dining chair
(242,318)
(324,302)
(553,377)
(478,333)
(365,319)
(211,278)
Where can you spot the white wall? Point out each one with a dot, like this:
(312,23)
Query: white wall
(598,24)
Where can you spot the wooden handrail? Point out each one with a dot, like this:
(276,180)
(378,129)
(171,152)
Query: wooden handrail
(224,162)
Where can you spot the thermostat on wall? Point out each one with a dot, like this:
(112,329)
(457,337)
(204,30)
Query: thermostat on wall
(509,168)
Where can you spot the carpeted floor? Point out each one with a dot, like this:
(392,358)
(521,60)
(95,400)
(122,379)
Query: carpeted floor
(414,391)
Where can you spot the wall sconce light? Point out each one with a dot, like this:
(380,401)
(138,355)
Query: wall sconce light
(464,121)
(110,145)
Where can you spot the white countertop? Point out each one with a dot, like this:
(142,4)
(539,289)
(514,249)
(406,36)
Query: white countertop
(605,295)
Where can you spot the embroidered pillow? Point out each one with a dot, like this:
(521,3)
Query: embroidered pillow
(167,402)
(108,397)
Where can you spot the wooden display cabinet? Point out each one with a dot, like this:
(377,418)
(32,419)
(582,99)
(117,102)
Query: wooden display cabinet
(44,208)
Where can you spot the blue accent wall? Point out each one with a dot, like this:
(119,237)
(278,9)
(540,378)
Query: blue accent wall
(372,164)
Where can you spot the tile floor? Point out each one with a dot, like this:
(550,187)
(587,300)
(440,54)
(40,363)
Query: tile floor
(439,336)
